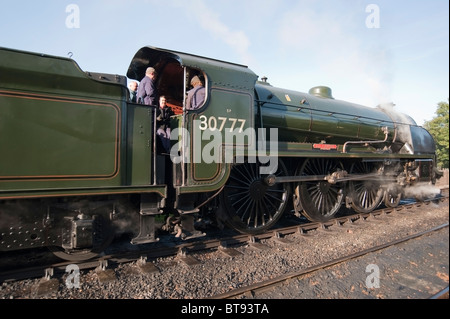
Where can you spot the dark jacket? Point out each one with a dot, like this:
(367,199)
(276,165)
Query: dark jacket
(163,117)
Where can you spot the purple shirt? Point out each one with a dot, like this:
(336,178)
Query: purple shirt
(147,92)
(195,98)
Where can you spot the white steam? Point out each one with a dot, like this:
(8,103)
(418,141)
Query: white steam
(422,192)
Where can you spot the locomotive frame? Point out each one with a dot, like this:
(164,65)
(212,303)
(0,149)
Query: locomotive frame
(81,164)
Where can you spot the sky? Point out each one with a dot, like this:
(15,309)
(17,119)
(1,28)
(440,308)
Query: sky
(368,52)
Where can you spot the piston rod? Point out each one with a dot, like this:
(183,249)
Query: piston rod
(339,176)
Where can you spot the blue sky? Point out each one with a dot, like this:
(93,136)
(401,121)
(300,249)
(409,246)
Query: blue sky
(297,44)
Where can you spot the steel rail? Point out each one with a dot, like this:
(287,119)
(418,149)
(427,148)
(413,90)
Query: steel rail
(160,250)
(443,294)
(265,285)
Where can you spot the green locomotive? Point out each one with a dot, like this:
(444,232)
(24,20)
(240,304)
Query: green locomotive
(81,164)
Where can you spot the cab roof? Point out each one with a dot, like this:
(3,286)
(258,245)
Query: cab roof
(219,72)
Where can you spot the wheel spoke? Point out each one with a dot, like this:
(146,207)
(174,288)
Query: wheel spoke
(319,200)
(244,175)
(273,207)
(236,179)
(237,187)
(246,209)
(274,198)
(242,197)
(247,196)
(366,195)
(392,198)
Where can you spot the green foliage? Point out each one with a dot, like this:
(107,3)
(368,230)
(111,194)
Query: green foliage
(439,129)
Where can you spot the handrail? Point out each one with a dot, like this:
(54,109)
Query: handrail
(386,134)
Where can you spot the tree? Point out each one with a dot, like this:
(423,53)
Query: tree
(439,129)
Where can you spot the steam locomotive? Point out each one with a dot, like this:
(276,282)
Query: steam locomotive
(81,164)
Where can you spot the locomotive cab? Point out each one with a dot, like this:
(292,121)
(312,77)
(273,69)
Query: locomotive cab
(198,136)
(174,75)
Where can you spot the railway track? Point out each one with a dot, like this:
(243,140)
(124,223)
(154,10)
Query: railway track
(255,289)
(224,244)
(52,273)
